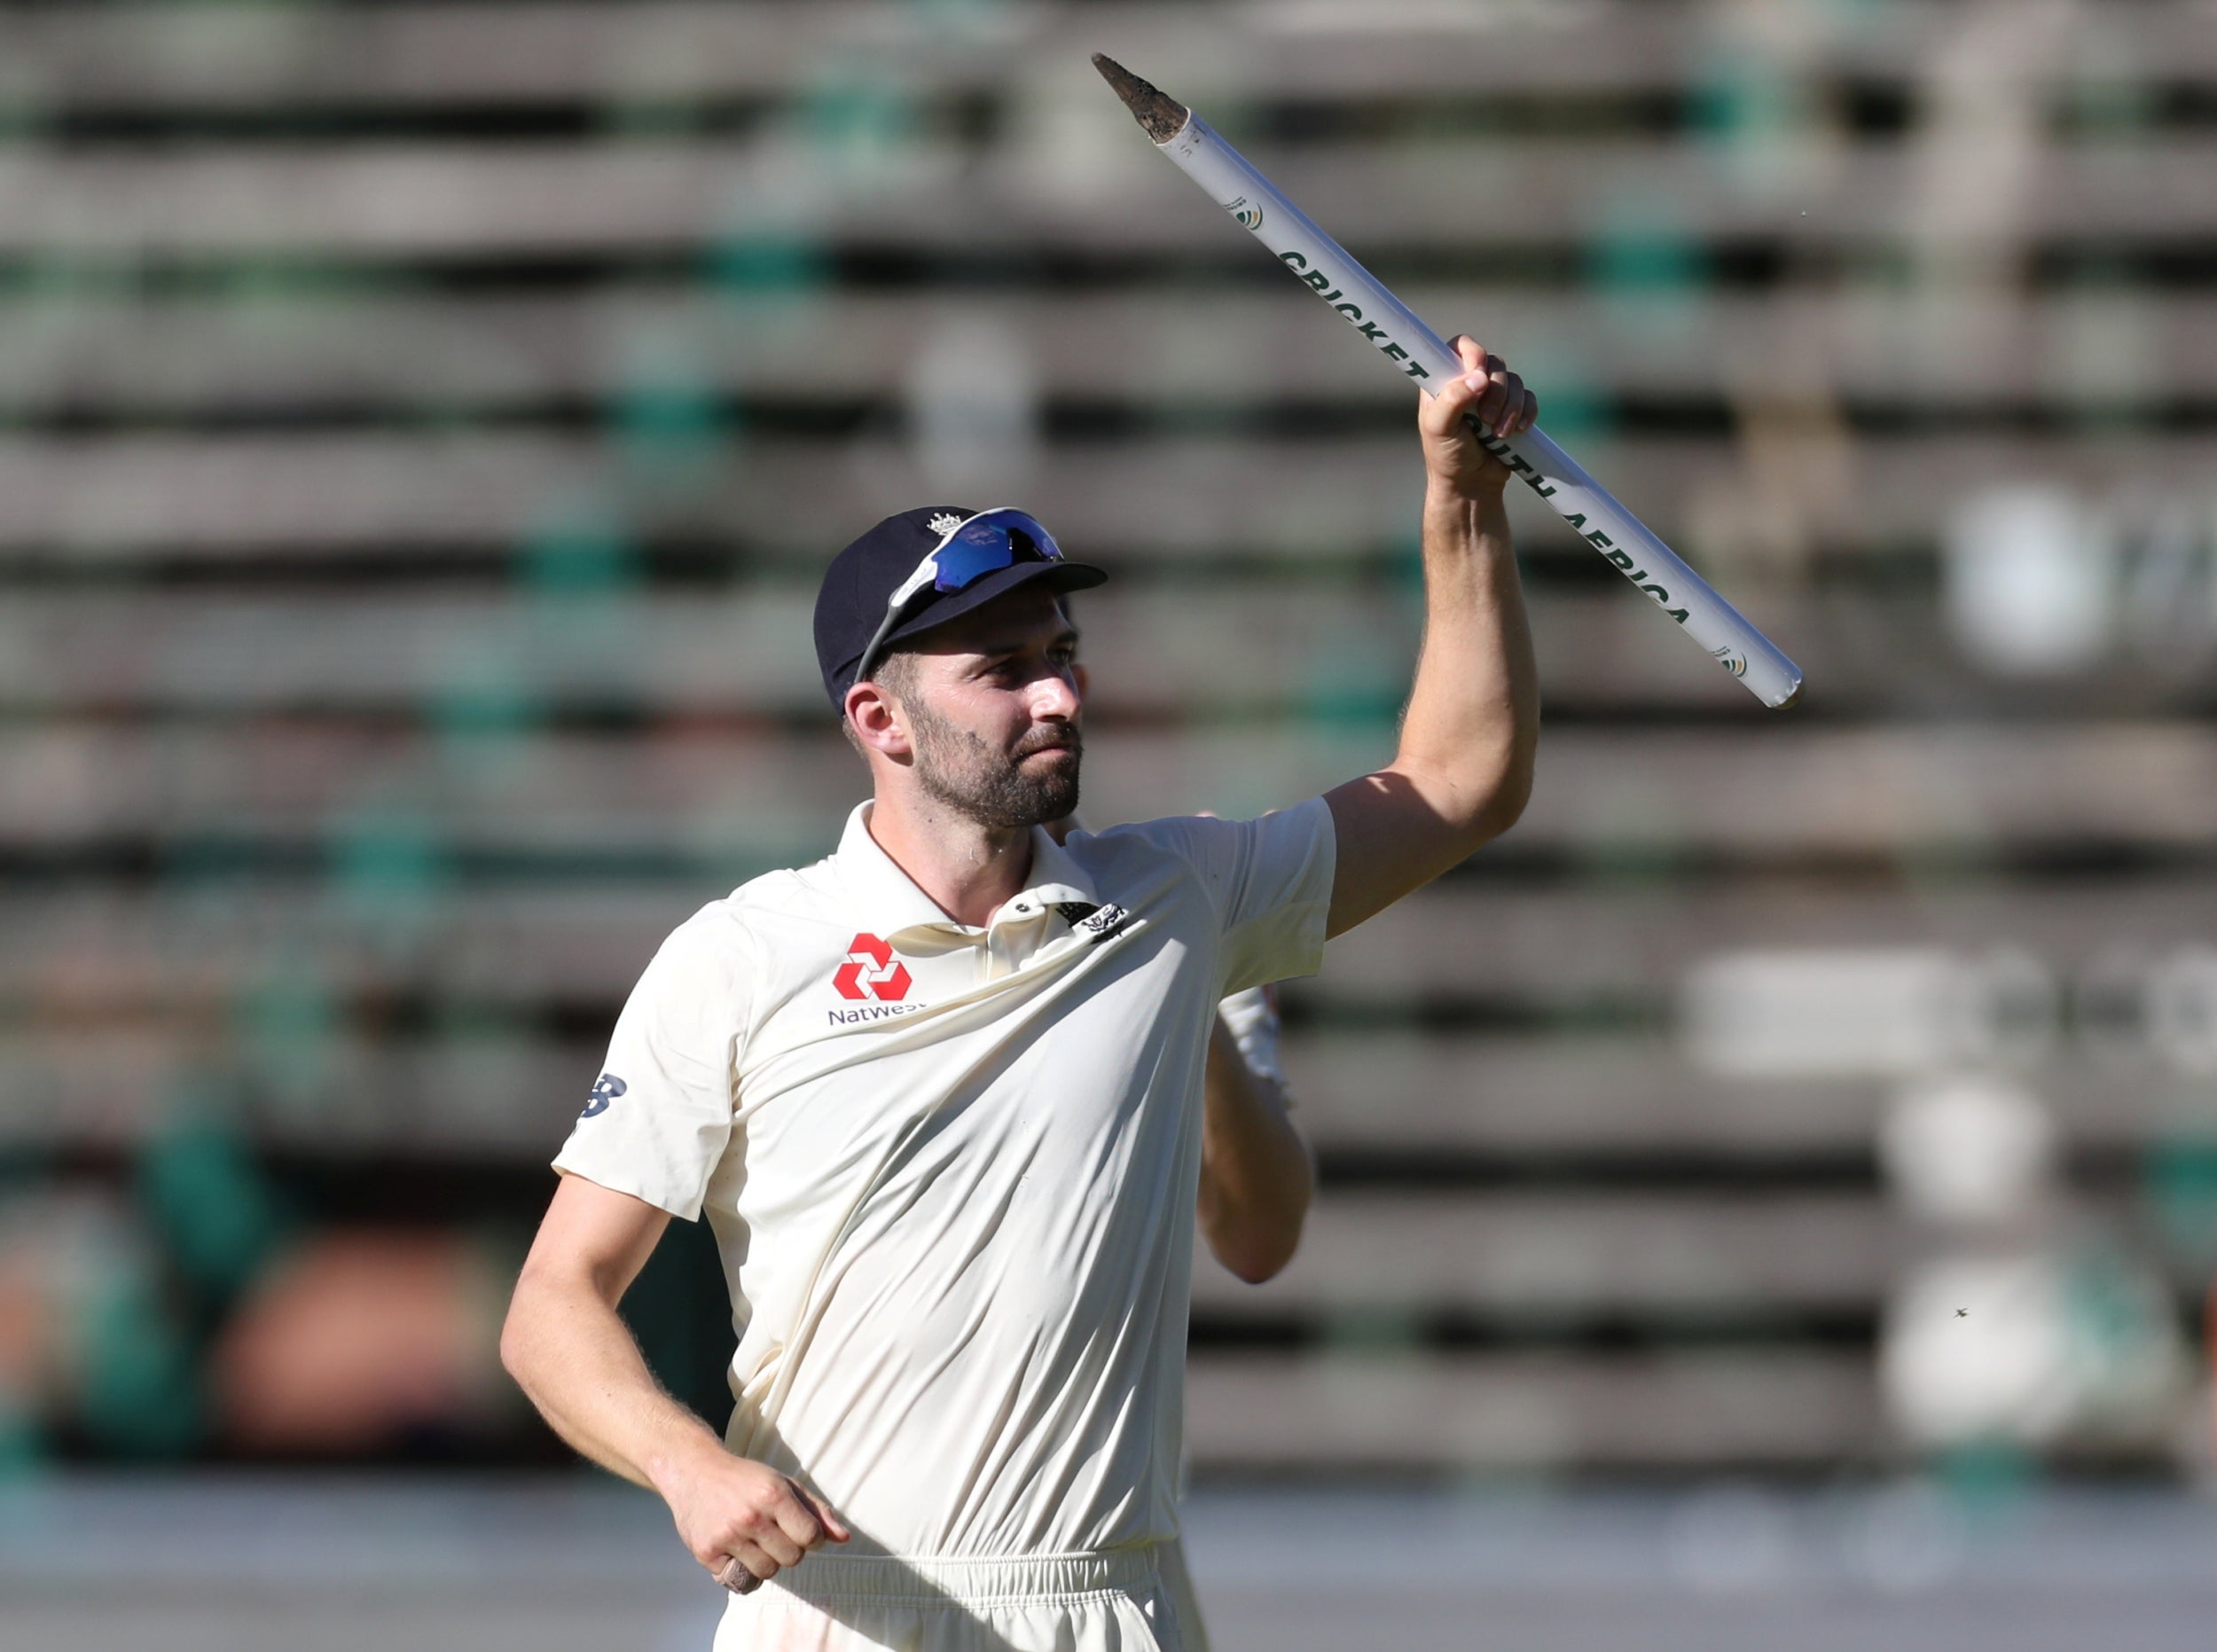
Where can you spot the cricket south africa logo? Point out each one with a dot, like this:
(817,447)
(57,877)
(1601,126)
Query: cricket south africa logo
(1245,213)
(870,972)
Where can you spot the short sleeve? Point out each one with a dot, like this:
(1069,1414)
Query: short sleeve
(1269,880)
(659,1118)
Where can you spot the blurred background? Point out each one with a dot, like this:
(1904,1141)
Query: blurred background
(1772,1193)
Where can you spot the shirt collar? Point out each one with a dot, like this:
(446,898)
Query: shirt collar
(887,900)
(1055,878)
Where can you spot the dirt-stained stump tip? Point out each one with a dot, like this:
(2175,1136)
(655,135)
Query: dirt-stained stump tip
(1160,115)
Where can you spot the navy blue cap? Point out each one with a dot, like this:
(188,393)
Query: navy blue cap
(851,603)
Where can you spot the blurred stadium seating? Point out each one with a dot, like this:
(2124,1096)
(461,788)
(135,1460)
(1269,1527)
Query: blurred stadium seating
(421,428)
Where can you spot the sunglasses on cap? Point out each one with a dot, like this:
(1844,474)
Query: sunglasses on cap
(985,544)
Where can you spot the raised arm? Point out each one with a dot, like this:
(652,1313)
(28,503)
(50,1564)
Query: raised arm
(1464,768)
(570,1351)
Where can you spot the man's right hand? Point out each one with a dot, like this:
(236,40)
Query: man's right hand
(745,1523)
(571,1351)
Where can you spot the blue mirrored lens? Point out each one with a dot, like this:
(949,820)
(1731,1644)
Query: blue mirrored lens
(979,548)
(965,559)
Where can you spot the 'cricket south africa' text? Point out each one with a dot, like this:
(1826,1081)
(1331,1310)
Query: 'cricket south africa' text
(1501,449)
(1337,299)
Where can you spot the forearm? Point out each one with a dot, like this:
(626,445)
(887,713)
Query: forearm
(1463,771)
(573,1355)
(1257,1177)
(570,1351)
(1472,726)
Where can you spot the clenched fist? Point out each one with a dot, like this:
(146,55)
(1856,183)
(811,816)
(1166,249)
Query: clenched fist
(1488,394)
(745,1523)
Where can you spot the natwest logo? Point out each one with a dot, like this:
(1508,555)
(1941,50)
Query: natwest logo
(870,972)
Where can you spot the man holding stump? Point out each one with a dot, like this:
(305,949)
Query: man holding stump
(939,1096)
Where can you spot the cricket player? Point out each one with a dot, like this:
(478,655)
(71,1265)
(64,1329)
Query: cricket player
(936,1095)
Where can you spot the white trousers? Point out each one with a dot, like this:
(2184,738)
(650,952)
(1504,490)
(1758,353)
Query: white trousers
(1115,1601)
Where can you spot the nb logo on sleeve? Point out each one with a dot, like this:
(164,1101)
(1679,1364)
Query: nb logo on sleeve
(871,971)
(605,1090)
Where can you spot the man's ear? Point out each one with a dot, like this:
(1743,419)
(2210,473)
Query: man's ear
(874,716)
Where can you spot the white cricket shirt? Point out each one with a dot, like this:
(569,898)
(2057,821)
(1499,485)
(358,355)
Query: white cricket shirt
(952,1170)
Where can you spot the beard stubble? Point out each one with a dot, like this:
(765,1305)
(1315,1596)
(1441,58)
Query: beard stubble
(992,787)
